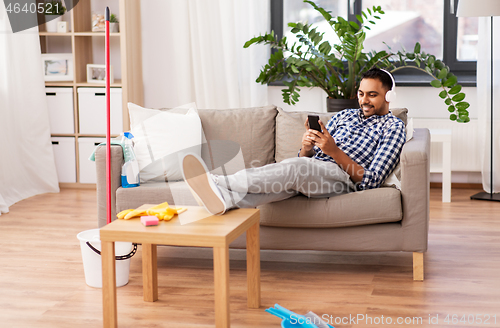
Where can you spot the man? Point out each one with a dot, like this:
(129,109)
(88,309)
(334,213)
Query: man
(356,150)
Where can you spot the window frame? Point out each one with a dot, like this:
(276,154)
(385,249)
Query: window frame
(464,70)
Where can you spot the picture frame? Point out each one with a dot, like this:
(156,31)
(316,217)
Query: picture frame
(97,74)
(57,67)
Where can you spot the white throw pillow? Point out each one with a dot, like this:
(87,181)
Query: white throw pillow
(162,138)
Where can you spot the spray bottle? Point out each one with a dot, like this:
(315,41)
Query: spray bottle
(130,170)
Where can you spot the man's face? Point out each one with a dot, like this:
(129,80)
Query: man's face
(371,97)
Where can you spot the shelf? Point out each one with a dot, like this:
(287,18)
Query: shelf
(95,34)
(59,83)
(96,135)
(98,34)
(116,84)
(55,34)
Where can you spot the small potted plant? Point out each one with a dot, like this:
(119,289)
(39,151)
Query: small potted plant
(336,66)
(53,10)
(114,24)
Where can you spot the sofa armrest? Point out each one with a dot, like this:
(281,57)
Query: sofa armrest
(116,164)
(415,193)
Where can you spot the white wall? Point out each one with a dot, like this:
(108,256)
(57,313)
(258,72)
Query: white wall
(427,110)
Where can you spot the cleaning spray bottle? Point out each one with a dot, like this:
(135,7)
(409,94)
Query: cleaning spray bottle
(130,170)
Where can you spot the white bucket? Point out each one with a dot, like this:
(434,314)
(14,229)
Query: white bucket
(92,264)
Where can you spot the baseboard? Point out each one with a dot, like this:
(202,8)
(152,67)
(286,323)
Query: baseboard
(67,185)
(457,185)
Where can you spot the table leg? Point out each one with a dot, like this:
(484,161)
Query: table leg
(253,267)
(149,272)
(221,280)
(108,284)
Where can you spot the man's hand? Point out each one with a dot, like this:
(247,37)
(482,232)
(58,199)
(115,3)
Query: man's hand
(323,140)
(307,141)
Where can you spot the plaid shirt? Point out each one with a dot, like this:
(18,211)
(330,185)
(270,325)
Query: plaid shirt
(373,142)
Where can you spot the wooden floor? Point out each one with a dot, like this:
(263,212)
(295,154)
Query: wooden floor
(42,280)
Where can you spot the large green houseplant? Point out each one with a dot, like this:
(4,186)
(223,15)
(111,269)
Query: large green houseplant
(312,61)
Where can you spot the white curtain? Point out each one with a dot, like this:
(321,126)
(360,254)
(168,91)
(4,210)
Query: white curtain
(484,102)
(27,165)
(193,52)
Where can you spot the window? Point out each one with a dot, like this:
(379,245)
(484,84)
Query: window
(432,23)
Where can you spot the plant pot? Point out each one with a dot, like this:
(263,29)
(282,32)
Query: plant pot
(114,27)
(51,22)
(336,105)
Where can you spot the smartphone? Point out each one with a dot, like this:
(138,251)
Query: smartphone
(313,122)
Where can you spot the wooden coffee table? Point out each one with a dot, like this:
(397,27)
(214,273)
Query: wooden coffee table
(211,231)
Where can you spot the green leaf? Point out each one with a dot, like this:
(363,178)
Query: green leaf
(417,48)
(436,83)
(447,101)
(462,105)
(453,117)
(428,69)
(443,94)
(451,109)
(456,89)
(355,25)
(451,81)
(294,69)
(442,73)
(360,19)
(458,97)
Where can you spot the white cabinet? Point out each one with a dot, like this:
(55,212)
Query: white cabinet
(92,110)
(60,104)
(85,116)
(86,147)
(65,158)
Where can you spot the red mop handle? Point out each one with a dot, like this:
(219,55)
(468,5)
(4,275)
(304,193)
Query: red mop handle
(108,123)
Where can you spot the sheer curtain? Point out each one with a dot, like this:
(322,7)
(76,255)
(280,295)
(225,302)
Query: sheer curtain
(27,165)
(483,99)
(193,52)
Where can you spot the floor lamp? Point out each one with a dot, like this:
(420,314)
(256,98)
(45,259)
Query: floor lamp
(484,8)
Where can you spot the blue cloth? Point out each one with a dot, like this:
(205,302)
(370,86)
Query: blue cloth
(114,141)
(373,142)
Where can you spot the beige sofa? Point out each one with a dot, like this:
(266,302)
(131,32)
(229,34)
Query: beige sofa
(383,219)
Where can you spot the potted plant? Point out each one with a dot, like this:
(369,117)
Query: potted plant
(53,10)
(312,61)
(114,24)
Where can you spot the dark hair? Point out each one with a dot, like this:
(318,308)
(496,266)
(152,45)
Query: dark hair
(382,76)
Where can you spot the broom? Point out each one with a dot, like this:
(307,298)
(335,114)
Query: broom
(108,124)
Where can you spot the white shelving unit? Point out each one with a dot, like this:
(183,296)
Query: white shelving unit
(79,42)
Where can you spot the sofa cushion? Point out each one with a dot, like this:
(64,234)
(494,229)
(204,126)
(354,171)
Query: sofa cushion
(252,129)
(290,128)
(371,206)
(378,206)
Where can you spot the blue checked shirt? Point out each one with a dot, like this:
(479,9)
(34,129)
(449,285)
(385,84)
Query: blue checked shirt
(373,142)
